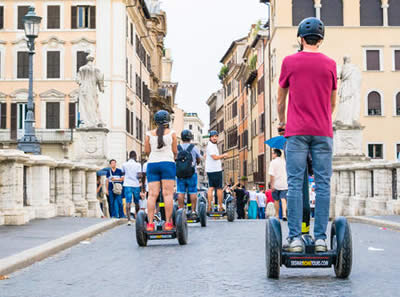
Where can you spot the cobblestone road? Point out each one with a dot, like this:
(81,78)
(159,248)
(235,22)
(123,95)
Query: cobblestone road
(224,259)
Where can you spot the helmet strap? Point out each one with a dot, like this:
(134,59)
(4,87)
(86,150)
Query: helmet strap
(301,47)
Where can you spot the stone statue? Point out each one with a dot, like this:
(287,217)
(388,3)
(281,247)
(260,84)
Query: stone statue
(349,94)
(89,79)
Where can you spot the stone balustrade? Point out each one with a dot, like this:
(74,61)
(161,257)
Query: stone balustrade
(365,189)
(36,187)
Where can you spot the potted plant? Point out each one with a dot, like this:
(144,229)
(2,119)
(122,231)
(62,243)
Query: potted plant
(223,72)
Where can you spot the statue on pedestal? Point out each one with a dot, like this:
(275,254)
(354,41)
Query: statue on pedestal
(349,93)
(89,80)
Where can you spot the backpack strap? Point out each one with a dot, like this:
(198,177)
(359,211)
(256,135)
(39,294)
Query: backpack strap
(180,149)
(190,148)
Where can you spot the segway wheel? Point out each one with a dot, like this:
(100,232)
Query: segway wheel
(342,242)
(230,211)
(181,227)
(174,211)
(272,248)
(141,236)
(203,214)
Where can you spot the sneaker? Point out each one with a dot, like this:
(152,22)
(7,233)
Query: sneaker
(129,223)
(150,227)
(284,219)
(294,245)
(320,245)
(168,226)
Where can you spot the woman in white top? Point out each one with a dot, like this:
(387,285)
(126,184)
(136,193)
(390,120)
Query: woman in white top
(161,146)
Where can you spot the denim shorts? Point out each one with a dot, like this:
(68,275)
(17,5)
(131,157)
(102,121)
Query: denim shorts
(187,185)
(279,194)
(159,171)
(130,192)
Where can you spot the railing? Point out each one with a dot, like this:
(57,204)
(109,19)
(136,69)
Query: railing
(43,135)
(366,189)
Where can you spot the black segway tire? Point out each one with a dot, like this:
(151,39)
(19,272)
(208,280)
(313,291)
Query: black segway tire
(203,214)
(141,236)
(230,211)
(174,211)
(181,227)
(344,258)
(272,250)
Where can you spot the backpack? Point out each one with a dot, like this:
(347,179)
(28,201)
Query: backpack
(184,162)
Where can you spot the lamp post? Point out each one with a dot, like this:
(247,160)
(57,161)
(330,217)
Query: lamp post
(29,143)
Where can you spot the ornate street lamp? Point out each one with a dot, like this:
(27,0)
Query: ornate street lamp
(29,143)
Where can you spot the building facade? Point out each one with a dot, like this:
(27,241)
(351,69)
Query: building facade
(70,30)
(363,30)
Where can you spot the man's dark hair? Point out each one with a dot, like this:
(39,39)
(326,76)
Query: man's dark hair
(312,40)
(132,155)
(112,161)
(278,152)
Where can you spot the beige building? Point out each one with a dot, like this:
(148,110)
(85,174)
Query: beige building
(126,38)
(368,31)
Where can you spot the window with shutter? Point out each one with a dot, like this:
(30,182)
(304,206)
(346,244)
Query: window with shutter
(53,17)
(1,17)
(234,110)
(92,17)
(14,121)
(22,65)
(302,9)
(373,59)
(74,17)
(332,13)
(394,13)
(375,151)
(374,103)
(396,59)
(83,17)
(72,115)
(3,115)
(53,64)
(371,13)
(53,115)
(398,104)
(131,34)
(81,59)
(127,120)
(22,11)
(131,122)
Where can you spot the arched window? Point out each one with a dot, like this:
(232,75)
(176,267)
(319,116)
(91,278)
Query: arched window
(394,13)
(398,104)
(302,9)
(371,13)
(332,12)
(374,103)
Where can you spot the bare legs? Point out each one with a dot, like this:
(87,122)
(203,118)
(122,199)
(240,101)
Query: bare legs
(167,191)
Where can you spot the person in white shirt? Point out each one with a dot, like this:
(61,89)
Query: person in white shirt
(261,205)
(279,186)
(132,170)
(214,170)
(252,211)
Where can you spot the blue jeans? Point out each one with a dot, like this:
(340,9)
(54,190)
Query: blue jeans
(116,205)
(261,213)
(297,148)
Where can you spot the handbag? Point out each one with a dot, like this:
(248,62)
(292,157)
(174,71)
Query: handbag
(117,187)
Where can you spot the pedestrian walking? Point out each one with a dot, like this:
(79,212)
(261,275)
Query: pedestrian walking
(161,146)
(253,208)
(132,171)
(214,171)
(241,200)
(279,185)
(115,178)
(261,199)
(311,81)
(270,208)
(188,158)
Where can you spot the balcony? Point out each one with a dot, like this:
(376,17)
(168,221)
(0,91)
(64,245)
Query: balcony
(46,136)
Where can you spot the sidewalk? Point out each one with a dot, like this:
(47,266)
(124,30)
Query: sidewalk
(391,222)
(21,246)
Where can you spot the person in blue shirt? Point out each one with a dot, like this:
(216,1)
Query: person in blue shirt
(189,184)
(114,176)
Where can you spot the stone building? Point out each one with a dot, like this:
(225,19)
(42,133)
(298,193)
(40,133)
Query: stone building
(193,123)
(364,30)
(127,40)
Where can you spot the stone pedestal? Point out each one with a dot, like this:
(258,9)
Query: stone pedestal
(347,144)
(11,192)
(89,146)
(94,210)
(65,205)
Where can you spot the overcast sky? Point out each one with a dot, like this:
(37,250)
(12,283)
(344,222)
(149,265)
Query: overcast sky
(199,34)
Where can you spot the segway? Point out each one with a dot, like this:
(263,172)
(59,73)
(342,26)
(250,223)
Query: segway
(339,255)
(179,218)
(230,208)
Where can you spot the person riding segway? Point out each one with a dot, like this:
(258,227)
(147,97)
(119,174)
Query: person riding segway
(310,79)
(186,172)
(161,146)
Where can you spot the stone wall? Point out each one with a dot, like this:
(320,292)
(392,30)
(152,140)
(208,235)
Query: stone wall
(366,189)
(37,187)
